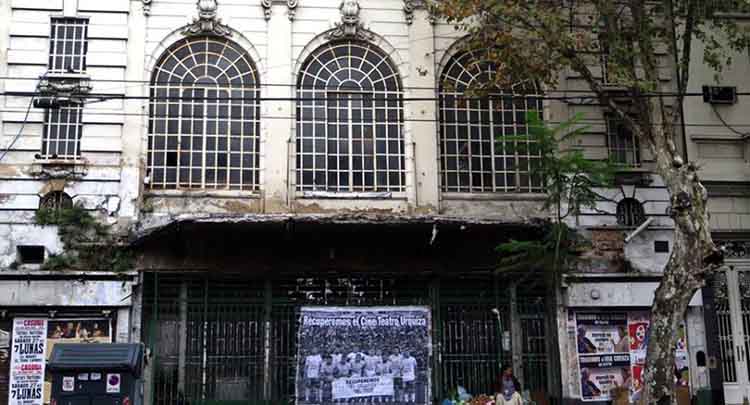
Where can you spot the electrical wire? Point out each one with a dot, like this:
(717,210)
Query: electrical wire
(729,127)
(20,130)
(297,87)
(583,122)
(365,95)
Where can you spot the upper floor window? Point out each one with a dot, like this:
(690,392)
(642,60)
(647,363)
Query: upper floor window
(63,127)
(622,143)
(480,147)
(204,126)
(349,117)
(68,44)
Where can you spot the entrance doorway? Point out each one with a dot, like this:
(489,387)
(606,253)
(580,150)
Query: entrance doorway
(732,303)
(222,340)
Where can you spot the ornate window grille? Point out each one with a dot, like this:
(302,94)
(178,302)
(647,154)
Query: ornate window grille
(63,128)
(622,144)
(630,212)
(349,121)
(56,201)
(204,127)
(68,44)
(482,145)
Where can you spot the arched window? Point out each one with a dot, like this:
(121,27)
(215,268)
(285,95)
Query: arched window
(349,116)
(630,212)
(480,149)
(204,128)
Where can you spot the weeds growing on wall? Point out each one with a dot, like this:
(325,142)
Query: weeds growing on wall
(571,181)
(88,244)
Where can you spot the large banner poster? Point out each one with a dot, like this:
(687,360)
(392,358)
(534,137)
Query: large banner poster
(27,362)
(612,353)
(364,355)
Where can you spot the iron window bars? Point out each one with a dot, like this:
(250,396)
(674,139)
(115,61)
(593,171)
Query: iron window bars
(63,127)
(68,45)
(204,126)
(622,144)
(630,212)
(62,132)
(482,148)
(349,121)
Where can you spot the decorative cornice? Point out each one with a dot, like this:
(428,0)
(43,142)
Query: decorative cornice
(291,6)
(207,22)
(350,26)
(735,249)
(146,7)
(410,6)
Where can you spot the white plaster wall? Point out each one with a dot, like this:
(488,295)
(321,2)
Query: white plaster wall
(722,154)
(125,45)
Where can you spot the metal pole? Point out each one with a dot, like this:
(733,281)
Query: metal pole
(267,309)
(515,334)
(182,335)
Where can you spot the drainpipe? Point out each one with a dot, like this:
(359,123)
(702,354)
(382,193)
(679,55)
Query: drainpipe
(640,229)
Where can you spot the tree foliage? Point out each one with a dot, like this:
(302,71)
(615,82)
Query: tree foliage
(571,183)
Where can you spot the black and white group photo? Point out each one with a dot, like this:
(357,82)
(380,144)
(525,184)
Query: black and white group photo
(364,355)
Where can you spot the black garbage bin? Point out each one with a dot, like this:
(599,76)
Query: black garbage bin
(96,374)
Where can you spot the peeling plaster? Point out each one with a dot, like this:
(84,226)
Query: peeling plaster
(18,234)
(66,293)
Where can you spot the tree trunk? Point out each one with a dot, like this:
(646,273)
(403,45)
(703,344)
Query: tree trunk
(693,257)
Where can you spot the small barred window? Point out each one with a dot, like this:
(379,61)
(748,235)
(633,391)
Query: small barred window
(630,212)
(622,144)
(68,44)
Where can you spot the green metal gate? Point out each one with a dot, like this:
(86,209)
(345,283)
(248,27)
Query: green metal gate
(233,341)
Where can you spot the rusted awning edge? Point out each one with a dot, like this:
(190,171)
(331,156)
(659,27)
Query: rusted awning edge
(157,224)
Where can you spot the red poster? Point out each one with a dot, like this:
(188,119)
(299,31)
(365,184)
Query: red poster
(638,336)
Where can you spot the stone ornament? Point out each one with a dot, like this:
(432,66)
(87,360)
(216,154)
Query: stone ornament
(734,249)
(207,21)
(350,26)
(411,5)
(146,7)
(291,5)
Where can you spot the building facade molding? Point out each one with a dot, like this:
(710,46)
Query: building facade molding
(208,21)
(291,6)
(411,5)
(396,58)
(170,39)
(146,7)
(735,249)
(351,25)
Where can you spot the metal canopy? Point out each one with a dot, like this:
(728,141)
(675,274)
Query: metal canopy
(92,356)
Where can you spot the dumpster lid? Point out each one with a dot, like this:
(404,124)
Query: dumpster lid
(96,356)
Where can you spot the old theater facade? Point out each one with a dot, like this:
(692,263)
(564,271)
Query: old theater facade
(308,157)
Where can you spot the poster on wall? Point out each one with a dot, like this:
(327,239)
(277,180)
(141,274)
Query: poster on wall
(27,362)
(638,325)
(602,373)
(364,355)
(602,333)
(79,330)
(603,347)
(612,353)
